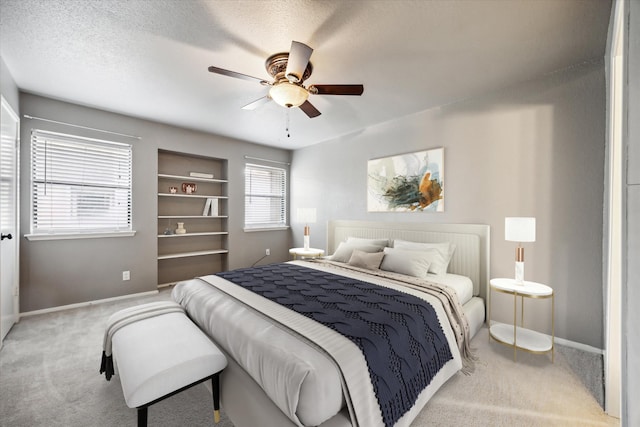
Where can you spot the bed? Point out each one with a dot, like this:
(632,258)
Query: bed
(307,374)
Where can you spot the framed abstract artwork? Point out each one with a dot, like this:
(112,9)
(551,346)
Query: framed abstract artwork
(412,182)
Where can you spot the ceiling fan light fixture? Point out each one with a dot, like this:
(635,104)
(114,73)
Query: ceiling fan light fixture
(288,94)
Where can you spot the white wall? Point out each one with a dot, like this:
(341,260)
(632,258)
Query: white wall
(536,149)
(8,86)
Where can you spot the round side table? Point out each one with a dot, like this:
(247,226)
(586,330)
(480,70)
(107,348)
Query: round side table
(516,336)
(306,253)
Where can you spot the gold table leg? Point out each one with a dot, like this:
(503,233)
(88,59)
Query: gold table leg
(515,325)
(553,327)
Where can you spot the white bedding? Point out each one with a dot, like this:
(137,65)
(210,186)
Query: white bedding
(461,284)
(300,379)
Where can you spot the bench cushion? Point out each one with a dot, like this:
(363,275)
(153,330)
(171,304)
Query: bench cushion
(159,355)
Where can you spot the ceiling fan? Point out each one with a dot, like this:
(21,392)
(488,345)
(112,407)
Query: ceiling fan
(289,71)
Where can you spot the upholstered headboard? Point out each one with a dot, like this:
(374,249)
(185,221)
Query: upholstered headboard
(471,257)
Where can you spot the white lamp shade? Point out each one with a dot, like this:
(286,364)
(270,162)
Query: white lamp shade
(520,229)
(306,215)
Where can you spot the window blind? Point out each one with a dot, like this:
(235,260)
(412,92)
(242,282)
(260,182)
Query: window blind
(265,197)
(79,185)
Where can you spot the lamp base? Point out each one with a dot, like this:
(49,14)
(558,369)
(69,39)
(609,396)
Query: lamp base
(520,272)
(306,242)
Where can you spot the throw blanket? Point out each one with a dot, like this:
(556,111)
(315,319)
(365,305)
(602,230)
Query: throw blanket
(399,334)
(126,317)
(445,294)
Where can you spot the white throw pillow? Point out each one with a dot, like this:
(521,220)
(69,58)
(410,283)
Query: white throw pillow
(439,260)
(411,263)
(370,261)
(345,250)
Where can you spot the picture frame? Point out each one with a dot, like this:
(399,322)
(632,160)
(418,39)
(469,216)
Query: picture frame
(411,182)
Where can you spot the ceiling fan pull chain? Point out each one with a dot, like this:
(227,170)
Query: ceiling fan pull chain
(287,121)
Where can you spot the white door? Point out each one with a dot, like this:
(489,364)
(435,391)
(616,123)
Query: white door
(9,243)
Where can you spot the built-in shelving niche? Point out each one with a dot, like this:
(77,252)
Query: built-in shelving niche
(203,249)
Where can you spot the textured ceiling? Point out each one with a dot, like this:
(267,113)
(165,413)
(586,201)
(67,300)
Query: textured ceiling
(149,58)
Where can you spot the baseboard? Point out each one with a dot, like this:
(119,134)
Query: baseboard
(85,304)
(578,346)
(166,285)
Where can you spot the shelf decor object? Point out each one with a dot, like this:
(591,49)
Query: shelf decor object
(307,216)
(181,229)
(189,187)
(211,207)
(201,175)
(520,229)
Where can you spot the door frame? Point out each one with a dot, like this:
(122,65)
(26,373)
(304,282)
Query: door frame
(15,241)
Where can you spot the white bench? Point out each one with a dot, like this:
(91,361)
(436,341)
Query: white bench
(160,356)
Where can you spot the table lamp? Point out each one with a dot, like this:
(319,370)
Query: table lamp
(520,229)
(307,216)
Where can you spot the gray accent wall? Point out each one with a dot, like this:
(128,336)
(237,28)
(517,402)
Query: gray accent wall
(536,149)
(61,272)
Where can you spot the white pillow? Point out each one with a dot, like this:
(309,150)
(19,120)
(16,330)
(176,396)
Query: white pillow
(411,263)
(374,242)
(439,260)
(370,261)
(446,248)
(345,250)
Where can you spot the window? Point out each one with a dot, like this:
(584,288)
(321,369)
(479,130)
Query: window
(265,197)
(79,185)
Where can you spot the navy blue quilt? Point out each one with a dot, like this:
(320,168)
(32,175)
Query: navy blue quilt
(399,334)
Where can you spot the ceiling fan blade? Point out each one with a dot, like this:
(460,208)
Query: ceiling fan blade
(257,103)
(309,110)
(299,55)
(224,72)
(336,89)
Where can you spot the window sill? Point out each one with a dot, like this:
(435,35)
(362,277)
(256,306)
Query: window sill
(71,236)
(251,230)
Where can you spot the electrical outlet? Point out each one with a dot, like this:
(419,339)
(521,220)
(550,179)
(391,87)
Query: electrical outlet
(126,275)
(267,251)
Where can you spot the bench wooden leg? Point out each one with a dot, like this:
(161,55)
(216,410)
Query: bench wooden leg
(142,417)
(215,388)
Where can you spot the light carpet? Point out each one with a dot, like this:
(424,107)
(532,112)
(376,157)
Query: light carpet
(531,391)
(49,377)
